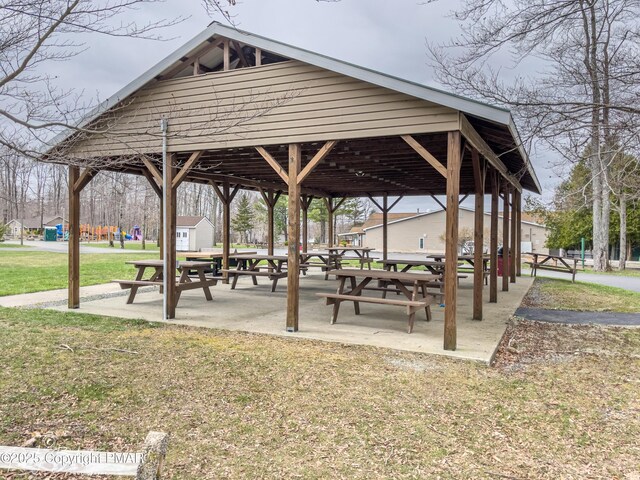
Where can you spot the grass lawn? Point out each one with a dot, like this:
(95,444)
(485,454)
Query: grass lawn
(25,272)
(12,245)
(558,294)
(562,402)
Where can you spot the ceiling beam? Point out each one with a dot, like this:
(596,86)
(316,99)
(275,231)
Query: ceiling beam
(274,164)
(424,153)
(315,161)
(474,138)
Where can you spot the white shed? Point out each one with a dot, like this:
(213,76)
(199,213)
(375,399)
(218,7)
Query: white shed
(193,233)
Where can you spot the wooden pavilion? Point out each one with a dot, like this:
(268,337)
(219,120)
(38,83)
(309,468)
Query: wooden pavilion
(246,112)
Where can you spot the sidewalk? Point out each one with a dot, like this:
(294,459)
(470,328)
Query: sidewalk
(55,296)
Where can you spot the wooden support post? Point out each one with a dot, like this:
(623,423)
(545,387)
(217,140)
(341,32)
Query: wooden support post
(518,233)
(454,160)
(305,203)
(293,262)
(385,226)
(270,198)
(505,239)
(170,199)
(74,239)
(478,237)
(329,203)
(226,195)
(493,249)
(513,238)
(225,55)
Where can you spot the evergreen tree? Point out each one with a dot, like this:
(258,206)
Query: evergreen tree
(243,220)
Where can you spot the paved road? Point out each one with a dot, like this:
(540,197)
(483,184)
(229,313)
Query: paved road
(62,247)
(628,283)
(579,318)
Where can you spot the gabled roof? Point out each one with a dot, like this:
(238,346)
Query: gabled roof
(413,216)
(190,221)
(473,108)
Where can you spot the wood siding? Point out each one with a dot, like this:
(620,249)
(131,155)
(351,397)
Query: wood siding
(268,105)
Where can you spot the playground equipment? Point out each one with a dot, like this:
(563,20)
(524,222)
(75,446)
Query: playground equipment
(91,233)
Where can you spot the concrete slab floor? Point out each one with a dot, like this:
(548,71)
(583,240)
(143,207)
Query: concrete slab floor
(255,309)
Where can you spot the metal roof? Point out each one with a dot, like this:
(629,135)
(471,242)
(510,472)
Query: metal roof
(471,107)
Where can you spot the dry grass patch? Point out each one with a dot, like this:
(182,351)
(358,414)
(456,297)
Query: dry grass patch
(556,294)
(252,406)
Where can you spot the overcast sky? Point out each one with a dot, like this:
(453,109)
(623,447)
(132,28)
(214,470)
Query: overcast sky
(389,36)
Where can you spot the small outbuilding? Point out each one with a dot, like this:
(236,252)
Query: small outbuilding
(193,233)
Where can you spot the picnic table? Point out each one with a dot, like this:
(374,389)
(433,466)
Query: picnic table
(552,265)
(325,260)
(470,259)
(183,280)
(253,266)
(215,259)
(412,285)
(362,254)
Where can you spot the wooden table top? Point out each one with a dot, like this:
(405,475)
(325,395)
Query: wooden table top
(385,275)
(201,254)
(352,249)
(247,256)
(417,263)
(324,254)
(460,257)
(160,263)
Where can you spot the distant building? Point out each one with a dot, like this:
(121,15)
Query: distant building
(424,232)
(33,226)
(193,233)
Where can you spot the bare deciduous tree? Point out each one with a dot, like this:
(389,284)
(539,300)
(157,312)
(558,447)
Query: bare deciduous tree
(583,102)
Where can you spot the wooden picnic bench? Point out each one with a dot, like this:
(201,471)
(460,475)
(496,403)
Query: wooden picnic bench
(470,259)
(412,285)
(251,265)
(361,254)
(564,267)
(183,280)
(327,261)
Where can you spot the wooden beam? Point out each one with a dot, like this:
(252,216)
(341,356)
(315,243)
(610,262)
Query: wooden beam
(305,204)
(439,202)
(196,67)
(225,58)
(505,239)
(270,199)
(493,248)
(274,164)
(518,234)
(316,160)
(240,53)
(425,154)
(395,202)
(258,57)
(293,262)
(74,239)
(478,235)
(153,170)
(85,178)
(513,238)
(454,161)
(380,207)
(152,181)
(474,138)
(329,204)
(385,226)
(182,174)
(192,58)
(226,229)
(171,202)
